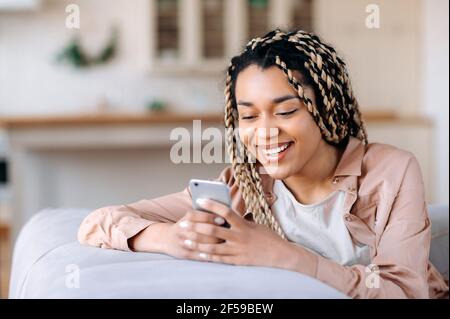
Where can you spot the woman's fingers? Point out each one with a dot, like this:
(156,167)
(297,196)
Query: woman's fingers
(186,231)
(200,231)
(203,217)
(198,228)
(222,210)
(210,249)
(213,231)
(200,238)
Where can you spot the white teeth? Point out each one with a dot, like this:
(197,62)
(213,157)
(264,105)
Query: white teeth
(276,150)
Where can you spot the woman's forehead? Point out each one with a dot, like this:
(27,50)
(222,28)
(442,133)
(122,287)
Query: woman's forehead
(254,81)
(255,76)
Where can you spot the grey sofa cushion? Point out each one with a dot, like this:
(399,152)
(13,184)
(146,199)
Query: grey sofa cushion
(47,251)
(439,250)
(48,262)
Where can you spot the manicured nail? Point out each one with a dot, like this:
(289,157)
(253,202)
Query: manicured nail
(201,201)
(219,220)
(184,224)
(203,255)
(188,242)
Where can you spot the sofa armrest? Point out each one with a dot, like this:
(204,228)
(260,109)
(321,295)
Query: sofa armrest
(439,250)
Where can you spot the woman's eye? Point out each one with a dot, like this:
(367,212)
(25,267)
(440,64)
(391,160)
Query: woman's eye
(247,117)
(287,113)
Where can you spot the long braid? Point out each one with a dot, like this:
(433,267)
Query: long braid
(267,216)
(300,91)
(240,167)
(337,119)
(342,77)
(245,173)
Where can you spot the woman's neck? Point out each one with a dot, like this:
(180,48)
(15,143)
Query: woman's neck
(313,183)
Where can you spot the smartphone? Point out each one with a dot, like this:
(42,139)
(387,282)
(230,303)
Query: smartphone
(217,191)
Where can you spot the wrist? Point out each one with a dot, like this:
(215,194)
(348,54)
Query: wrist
(152,239)
(297,258)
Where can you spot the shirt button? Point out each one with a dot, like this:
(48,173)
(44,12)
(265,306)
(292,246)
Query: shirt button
(335,180)
(373,268)
(348,218)
(269,196)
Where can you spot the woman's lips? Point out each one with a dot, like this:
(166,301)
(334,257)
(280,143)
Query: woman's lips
(274,153)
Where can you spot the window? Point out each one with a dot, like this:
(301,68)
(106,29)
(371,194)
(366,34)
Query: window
(213,28)
(258,18)
(167,30)
(201,35)
(302,15)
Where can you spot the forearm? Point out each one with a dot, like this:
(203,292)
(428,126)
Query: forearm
(152,239)
(353,281)
(297,258)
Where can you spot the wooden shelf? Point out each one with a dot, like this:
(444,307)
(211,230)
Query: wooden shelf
(4,230)
(381,117)
(11,122)
(105,119)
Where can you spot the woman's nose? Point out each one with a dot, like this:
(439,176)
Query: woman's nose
(267,134)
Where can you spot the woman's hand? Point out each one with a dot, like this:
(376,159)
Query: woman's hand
(245,243)
(180,235)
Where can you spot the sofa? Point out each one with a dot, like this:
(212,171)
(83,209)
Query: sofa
(48,262)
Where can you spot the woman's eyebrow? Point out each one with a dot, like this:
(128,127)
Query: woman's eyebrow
(274,101)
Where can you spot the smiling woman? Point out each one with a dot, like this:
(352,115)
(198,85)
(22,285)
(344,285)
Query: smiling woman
(319,199)
(280,132)
(296,87)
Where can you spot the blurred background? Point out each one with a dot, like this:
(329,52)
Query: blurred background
(91,89)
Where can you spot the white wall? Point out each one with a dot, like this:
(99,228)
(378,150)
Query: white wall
(435,83)
(384,62)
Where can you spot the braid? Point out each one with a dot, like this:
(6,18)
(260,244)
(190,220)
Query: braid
(241,170)
(267,216)
(245,172)
(337,113)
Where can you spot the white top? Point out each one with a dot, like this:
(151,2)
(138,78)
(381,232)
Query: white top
(319,227)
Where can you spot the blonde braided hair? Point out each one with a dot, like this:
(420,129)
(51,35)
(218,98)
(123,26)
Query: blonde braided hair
(336,113)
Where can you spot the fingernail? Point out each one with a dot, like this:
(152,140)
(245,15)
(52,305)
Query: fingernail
(184,224)
(188,242)
(201,201)
(219,220)
(203,255)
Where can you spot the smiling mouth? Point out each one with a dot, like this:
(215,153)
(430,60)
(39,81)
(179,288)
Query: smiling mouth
(274,152)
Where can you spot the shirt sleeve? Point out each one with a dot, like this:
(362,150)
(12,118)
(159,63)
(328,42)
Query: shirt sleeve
(399,269)
(112,226)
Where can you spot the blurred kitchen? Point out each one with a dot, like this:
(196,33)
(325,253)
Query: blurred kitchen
(91,89)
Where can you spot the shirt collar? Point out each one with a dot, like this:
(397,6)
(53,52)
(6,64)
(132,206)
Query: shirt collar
(351,160)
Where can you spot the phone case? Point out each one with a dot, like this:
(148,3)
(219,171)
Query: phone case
(217,191)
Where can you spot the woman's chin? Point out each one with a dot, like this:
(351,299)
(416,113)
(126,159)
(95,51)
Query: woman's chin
(276,171)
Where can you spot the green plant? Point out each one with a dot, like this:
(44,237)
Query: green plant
(75,55)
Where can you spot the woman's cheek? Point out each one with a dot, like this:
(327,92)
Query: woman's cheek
(246,136)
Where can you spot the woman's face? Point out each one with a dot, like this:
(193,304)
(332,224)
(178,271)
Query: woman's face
(274,123)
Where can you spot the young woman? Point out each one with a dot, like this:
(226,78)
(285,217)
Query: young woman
(319,200)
